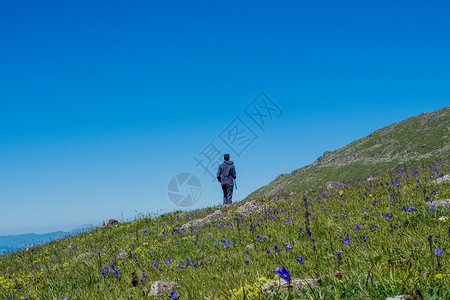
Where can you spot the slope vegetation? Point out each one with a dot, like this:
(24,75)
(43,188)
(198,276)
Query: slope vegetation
(369,238)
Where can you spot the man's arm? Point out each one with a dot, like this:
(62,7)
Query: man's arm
(233,172)
(218,174)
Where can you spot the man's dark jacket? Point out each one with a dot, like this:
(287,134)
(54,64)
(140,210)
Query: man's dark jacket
(226,173)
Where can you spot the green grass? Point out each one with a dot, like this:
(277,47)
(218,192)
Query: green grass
(394,259)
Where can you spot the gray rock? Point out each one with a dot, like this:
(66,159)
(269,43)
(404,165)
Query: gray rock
(332,184)
(72,247)
(445,178)
(250,246)
(252,207)
(444,203)
(400,297)
(283,286)
(215,216)
(160,288)
(214,259)
(120,255)
(111,222)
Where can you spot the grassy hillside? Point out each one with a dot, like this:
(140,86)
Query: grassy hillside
(371,240)
(411,141)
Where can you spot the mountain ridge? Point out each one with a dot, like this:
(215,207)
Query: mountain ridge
(412,140)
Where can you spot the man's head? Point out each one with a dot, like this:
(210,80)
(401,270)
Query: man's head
(226,156)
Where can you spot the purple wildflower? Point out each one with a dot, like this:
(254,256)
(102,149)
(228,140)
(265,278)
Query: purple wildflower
(287,247)
(283,273)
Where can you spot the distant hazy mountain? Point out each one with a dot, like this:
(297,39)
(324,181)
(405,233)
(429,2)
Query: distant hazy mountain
(423,137)
(16,242)
(82,228)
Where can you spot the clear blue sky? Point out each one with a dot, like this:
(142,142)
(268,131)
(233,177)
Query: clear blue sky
(103,102)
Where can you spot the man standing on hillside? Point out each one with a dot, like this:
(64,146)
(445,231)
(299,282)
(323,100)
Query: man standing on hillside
(226,175)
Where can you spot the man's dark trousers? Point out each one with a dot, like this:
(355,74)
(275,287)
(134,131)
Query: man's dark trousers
(227,193)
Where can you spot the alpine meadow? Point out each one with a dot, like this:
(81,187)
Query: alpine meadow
(367,221)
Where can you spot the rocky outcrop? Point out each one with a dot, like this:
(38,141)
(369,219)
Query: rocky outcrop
(283,286)
(441,203)
(189,237)
(215,216)
(250,246)
(162,288)
(400,297)
(252,207)
(332,184)
(111,222)
(72,247)
(120,255)
(370,179)
(445,178)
